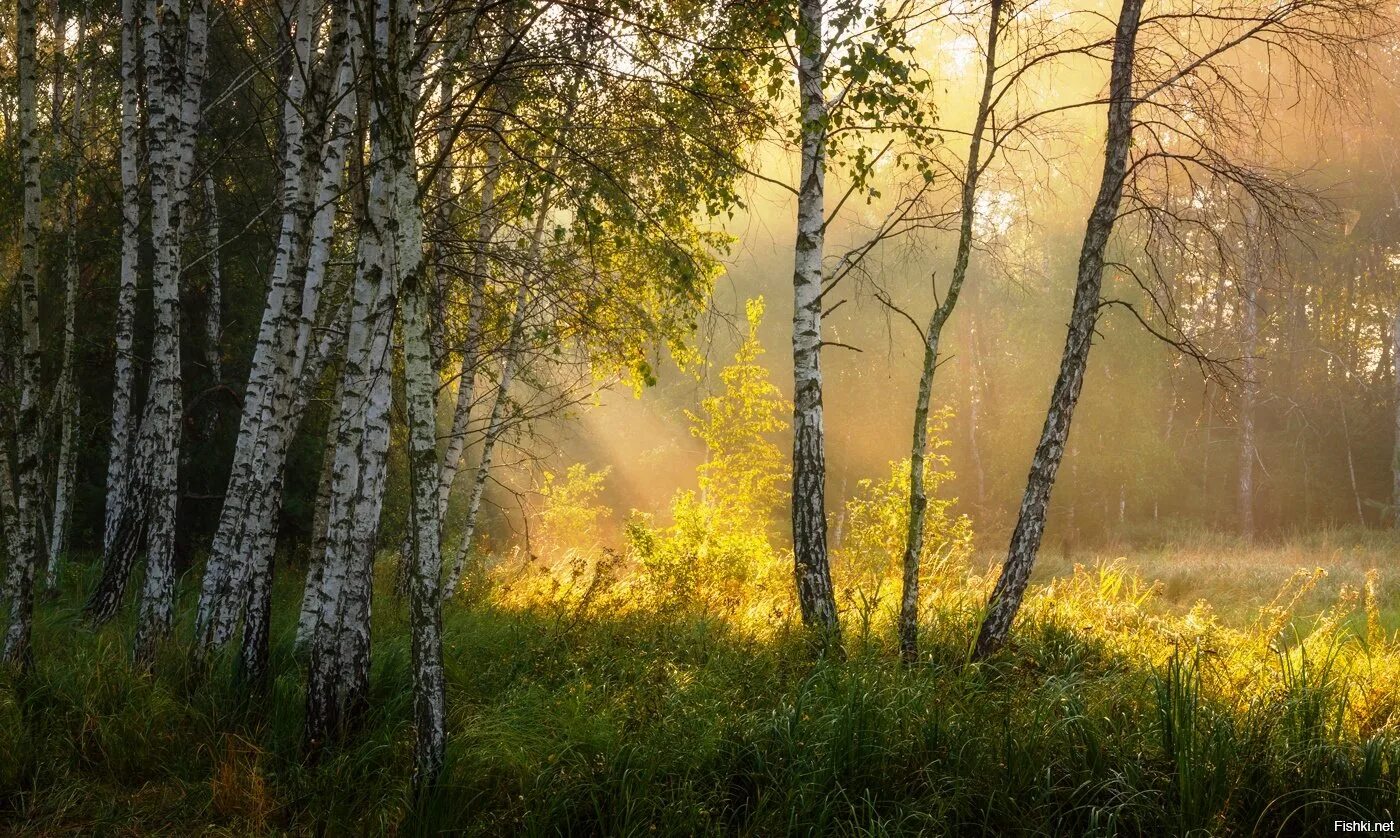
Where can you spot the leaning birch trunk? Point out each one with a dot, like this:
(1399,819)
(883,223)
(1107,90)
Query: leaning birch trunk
(320,524)
(290,395)
(180,71)
(119,452)
(1030,525)
(476,304)
(811,564)
(918,496)
(1249,389)
(494,428)
(240,555)
(67,390)
(17,650)
(339,641)
(221,576)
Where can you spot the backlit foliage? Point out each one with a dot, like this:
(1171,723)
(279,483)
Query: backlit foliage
(719,544)
(869,560)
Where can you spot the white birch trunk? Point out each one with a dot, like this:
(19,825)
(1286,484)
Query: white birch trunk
(339,642)
(119,452)
(1006,597)
(320,523)
(176,77)
(17,649)
(247,519)
(811,567)
(425,525)
(67,391)
(289,396)
(918,497)
(476,303)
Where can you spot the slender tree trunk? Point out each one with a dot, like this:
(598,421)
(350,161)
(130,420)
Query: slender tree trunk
(1030,526)
(320,527)
(214,299)
(1395,451)
(339,653)
(476,304)
(496,424)
(237,580)
(918,496)
(222,592)
(425,526)
(67,390)
(9,517)
(290,394)
(119,452)
(811,564)
(338,668)
(494,428)
(1249,388)
(180,71)
(17,649)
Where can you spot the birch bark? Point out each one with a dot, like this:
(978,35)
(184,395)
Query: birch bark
(17,643)
(305,367)
(237,579)
(119,451)
(1030,525)
(67,391)
(214,299)
(420,387)
(179,68)
(812,566)
(918,496)
(338,666)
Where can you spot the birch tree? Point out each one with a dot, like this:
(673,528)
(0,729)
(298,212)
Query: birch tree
(876,88)
(1170,147)
(286,360)
(812,564)
(1030,526)
(176,54)
(339,642)
(120,441)
(66,394)
(1249,384)
(17,649)
(932,335)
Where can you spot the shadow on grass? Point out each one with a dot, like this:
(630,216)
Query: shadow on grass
(647,724)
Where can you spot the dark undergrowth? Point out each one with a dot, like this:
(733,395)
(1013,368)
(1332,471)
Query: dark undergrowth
(657,724)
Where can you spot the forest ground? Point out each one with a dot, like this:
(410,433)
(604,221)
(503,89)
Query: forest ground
(1101,719)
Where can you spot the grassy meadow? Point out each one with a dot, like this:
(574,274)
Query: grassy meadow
(579,705)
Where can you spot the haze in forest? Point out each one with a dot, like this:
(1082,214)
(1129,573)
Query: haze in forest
(699,416)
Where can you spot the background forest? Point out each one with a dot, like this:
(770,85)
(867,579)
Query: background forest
(588,417)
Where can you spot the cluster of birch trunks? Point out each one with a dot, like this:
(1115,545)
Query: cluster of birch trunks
(402,285)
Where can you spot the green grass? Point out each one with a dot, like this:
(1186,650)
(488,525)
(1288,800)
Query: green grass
(666,724)
(1235,577)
